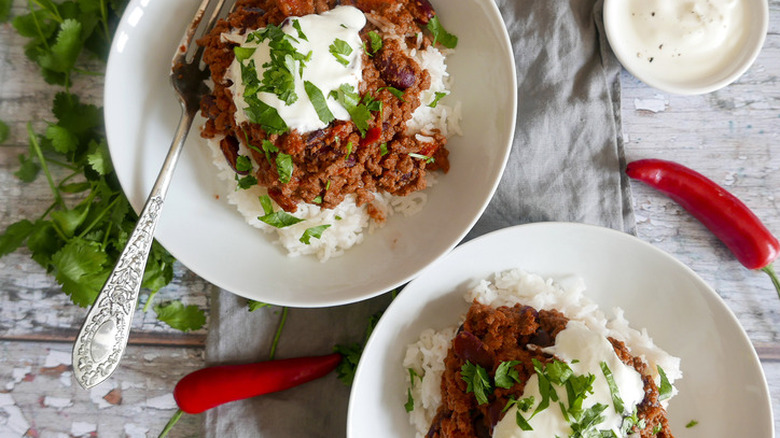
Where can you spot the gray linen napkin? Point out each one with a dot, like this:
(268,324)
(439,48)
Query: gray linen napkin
(565,166)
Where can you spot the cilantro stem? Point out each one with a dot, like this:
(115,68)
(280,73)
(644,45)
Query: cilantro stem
(52,10)
(104,20)
(37,25)
(149,300)
(174,419)
(99,216)
(278,334)
(37,148)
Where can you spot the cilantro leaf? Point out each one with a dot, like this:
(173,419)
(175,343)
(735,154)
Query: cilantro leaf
(665,389)
(691,423)
(99,159)
(437,97)
(339,49)
(265,202)
(62,56)
(284,167)
(15,235)
(246,182)
(613,389)
(318,102)
(80,269)
(313,232)
(28,170)
(477,381)
(350,100)
(297,25)
(181,317)
(63,140)
(349,362)
(264,115)
(409,405)
(279,219)
(426,158)
(441,35)
(243,53)
(243,163)
(507,374)
(376,42)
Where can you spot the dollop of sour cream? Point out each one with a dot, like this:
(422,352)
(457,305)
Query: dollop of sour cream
(681,40)
(321,40)
(584,351)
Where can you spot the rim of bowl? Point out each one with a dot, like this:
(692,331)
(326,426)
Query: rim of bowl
(753,47)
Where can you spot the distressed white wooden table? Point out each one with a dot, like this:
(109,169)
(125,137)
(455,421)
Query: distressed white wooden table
(730,135)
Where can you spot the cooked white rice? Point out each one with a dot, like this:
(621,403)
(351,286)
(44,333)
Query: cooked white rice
(347,221)
(426,356)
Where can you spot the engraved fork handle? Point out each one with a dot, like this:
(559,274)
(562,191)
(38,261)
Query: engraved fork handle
(102,339)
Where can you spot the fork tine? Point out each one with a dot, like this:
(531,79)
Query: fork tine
(185,52)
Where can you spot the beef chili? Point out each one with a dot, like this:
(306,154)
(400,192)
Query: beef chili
(492,335)
(331,163)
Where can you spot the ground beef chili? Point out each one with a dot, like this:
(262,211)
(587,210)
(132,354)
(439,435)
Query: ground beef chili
(489,336)
(325,170)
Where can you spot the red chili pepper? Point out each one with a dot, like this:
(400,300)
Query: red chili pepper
(210,387)
(720,211)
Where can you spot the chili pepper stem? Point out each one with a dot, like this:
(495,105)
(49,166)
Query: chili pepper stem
(771,272)
(174,419)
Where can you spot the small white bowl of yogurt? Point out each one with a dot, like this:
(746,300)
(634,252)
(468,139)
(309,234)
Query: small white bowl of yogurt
(686,46)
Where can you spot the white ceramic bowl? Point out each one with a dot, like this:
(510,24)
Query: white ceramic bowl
(212,239)
(682,314)
(630,30)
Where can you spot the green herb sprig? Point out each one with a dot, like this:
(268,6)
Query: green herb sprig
(79,237)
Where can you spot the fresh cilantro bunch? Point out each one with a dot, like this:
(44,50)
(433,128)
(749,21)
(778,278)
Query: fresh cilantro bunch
(79,237)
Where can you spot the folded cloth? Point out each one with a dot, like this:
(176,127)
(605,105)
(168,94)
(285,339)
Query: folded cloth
(566,165)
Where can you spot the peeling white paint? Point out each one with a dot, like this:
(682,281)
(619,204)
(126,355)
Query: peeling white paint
(97,394)
(162,402)
(57,357)
(17,375)
(65,379)
(57,402)
(135,431)
(655,105)
(12,421)
(80,428)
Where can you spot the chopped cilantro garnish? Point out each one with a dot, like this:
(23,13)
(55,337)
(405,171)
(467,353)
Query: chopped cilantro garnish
(376,42)
(350,100)
(317,200)
(427,159)
(264,115)
(318,102)
(246,182)
(613,389)
(243,53)
(327,185)
(265,202)
(409,405)
(284,166)
(506,374)
(522,423)
(383,149)
(339,49)
(441,35)
(477,381)
(349,150)
(657,428)
(313,232)
(691,423)
(279,219)
(437,97)
(394,91)
(665,389)
(297,25)
(243,163)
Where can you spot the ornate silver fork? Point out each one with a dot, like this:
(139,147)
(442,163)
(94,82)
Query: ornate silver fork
(102,340)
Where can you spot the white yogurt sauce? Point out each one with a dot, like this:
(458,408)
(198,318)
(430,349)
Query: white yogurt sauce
(323,69)
(681,40)
(583,350)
